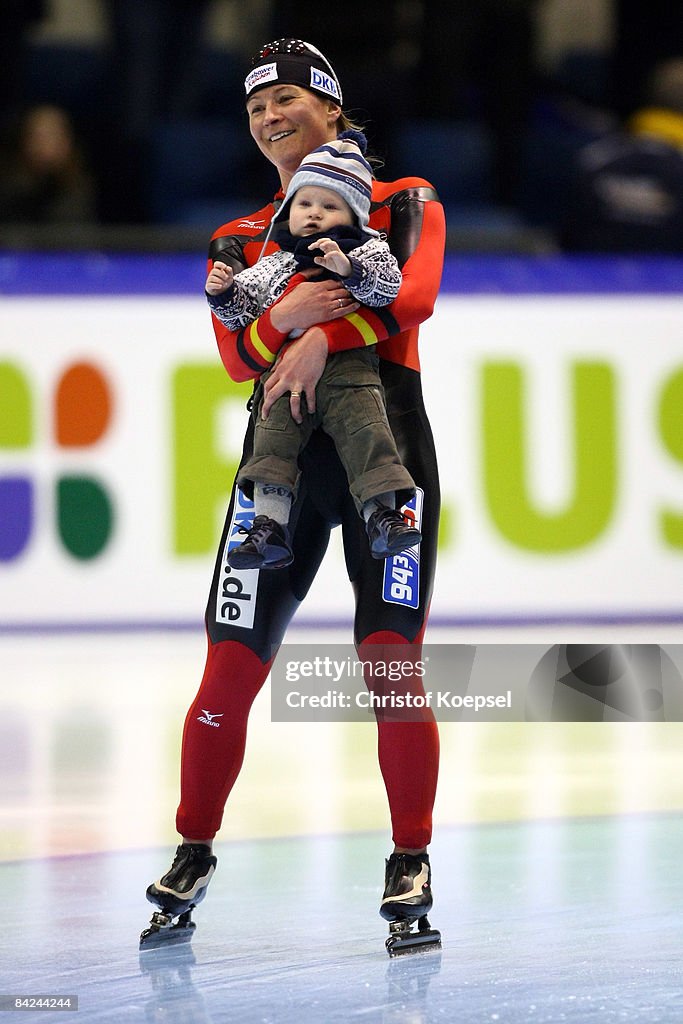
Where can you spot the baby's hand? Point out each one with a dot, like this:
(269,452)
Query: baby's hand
(333,258)
(220,278)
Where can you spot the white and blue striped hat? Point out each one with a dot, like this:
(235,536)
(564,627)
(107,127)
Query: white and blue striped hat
(340,166)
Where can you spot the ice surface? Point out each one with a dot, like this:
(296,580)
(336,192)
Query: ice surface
(575,920)
(548,922)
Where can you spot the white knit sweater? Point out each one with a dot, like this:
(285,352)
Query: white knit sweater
(374,281)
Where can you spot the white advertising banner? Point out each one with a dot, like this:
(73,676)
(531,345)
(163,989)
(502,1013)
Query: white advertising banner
(559,429)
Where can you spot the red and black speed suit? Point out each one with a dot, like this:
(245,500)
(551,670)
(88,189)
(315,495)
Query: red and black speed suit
(239,658)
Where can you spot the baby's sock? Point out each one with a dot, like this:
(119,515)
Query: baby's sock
(386,500)
(274,501)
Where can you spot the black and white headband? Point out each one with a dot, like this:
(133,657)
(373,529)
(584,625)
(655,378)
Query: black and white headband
(293,62)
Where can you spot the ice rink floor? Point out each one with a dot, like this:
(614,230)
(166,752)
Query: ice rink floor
(557,859)
(566,921)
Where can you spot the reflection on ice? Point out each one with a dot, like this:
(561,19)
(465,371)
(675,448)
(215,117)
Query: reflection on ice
(393,994)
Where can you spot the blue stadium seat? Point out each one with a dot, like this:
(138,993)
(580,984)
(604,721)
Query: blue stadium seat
(455,156)
(486,217)
(221,84)
(559,130)
(209,214)
(585,74)
(194,163)
(73,77)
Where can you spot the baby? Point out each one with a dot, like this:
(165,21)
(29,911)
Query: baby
(327,206)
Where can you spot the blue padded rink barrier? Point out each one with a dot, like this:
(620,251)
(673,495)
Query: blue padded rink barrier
(570,918)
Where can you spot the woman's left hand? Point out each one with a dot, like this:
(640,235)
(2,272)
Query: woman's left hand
(298,371)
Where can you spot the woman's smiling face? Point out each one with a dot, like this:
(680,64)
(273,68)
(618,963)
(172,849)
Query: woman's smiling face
(287,122)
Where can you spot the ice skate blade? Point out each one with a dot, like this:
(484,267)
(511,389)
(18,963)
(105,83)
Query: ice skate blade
(413,942)
(403,940)
(162,934)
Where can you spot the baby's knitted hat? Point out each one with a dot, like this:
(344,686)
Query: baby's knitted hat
(340,166)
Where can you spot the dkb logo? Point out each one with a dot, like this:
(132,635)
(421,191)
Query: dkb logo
(80,416)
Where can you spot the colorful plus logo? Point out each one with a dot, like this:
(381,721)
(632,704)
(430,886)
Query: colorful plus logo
(81,414)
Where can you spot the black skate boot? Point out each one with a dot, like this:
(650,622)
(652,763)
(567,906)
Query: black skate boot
(177,893)
(266,546)
(408,899)
(389,533)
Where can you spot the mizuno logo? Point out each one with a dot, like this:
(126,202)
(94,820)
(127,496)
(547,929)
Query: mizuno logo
(251,224)
(208,719)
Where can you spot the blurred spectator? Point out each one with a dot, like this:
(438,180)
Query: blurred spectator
(628,193)
(44,180)
(478,59)
(16,16)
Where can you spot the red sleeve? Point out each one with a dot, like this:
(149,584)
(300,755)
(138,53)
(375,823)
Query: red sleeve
(413,219)
(248,352)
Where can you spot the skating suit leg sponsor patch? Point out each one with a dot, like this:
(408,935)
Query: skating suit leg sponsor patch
(237,588)
(401,583)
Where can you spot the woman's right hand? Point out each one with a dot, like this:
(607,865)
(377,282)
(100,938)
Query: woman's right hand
(297,370)
(311,302)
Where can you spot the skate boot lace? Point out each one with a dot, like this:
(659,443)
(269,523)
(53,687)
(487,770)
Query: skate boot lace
(258,531)
(184,854)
